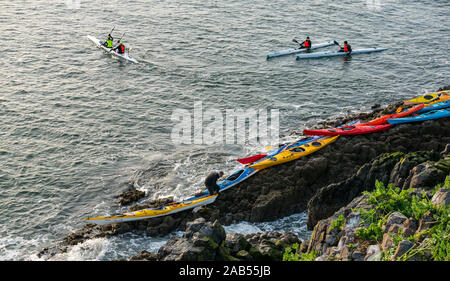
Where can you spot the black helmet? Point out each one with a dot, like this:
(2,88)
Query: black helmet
(307,37)
(345,42)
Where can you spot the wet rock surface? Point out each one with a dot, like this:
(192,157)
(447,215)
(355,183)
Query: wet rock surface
(208,241)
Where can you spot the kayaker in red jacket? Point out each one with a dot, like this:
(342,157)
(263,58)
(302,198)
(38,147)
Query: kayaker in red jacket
(347,48)
(306,44)
(120,48)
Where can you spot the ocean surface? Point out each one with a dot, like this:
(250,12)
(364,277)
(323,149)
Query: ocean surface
(78,126)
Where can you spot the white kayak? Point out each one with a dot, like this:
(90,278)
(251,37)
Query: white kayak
(99,44)
(334,54)
(299,50)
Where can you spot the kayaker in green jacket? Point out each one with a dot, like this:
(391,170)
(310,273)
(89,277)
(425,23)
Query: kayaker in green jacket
(109,42)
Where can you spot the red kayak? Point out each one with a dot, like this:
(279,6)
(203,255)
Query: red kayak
(348,130)
(251,159)
(383,119)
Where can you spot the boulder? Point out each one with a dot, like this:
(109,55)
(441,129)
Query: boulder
(441,197)
(394,218)
(373,253)
(403,247)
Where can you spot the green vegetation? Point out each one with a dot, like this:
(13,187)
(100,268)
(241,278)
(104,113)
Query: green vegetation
(431,242)
(338,224)
(291,254)
(387,200)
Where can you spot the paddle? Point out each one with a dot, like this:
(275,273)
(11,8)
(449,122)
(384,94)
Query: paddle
(301,46)
(112,30)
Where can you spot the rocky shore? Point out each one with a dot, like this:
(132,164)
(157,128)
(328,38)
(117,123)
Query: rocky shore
(207,241)
(322,183)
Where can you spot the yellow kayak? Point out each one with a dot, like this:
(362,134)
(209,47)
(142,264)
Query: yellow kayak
(432,97)
(294,153)
(153,212)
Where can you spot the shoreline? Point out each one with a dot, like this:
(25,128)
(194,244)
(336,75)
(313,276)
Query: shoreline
(283,190)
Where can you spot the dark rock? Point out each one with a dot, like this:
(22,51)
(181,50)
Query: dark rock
(358,256)
(144,256)
(402,248)
(395,218)
(410,227)
(130,196)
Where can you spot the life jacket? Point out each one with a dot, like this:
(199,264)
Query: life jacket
(307,44)
(346,48)
(109,43)
(121,49)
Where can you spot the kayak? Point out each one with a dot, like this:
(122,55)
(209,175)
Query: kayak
(275,151)
(298,50)
(99,44)
(294,153)
(349,130)
(153,212)
(436,96)
(383,119)
(334,54)
(235,178)
(289,145)
(434,114)
(435,106)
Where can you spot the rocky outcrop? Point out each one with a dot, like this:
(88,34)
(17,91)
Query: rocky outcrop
(285,189)
(207,241)
(400,237)
(401,169)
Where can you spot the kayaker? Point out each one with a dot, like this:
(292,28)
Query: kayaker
(109,41)
(347,48)
(120,49)
(211,182)
(306,44)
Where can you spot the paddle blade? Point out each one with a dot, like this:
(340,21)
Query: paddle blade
(251,159)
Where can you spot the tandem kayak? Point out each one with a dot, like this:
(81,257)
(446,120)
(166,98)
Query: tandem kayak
(383,119)
(294,153)
(298,50)
(434,114)
(334,54)
(153,212)
(349,130)
(235,178)
(99,44)
(432,97)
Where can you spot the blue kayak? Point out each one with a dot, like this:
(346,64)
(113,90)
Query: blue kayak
(430,115)
(440,105)
(235,178)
